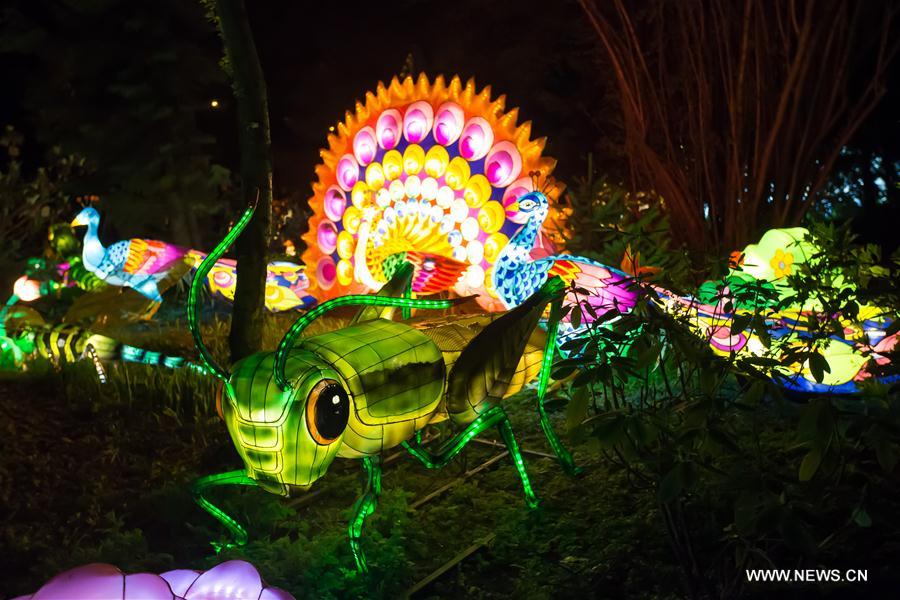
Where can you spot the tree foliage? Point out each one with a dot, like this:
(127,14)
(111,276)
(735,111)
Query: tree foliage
(745,475)
(735,112)
(29,204)
(127,85)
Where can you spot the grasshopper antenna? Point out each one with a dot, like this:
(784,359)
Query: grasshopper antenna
(293,334)
(193,312)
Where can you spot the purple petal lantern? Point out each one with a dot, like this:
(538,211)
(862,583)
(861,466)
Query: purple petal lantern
(231,580)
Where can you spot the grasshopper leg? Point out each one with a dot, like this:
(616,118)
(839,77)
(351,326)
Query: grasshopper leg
(364,507)
(513,446)
(493,417)
(200,486)
(562,454)
(454,445)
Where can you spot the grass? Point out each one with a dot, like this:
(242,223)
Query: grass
(93,473)
(101,473)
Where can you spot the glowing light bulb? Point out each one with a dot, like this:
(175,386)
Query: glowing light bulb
(475,276)
(469,228)
(459,210)
(413,186)
(474,251)
(436,161)
(458,173)
(392,164)
(429,188)
(359,196)
(27,289)
(413,159)
(383,198)
(398,190)
(375,175)
(445,197)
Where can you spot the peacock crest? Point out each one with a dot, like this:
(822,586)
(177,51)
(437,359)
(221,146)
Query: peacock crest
(430,172)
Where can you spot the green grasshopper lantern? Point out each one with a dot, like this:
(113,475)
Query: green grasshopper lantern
(374,385)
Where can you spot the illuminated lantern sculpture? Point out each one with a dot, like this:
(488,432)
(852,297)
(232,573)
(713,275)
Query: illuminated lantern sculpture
(518,273)
(66,343)
(27,289)
(142,264)
(138,264)
(371,386)
(427,173)
(851,358)
(231,580)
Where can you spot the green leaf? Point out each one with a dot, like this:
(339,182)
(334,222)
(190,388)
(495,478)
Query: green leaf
(575,317)
(577,409)
(723,439)
(887,455)
(746,508)
(608,428)
(818,366)
(739,323)
(769,518)
(810,464)
(679,478)
(754,393)
(806,426)
(861,517)
(671,485)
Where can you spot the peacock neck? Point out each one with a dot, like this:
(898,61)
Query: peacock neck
(516,255)
(93,251)
(525,238)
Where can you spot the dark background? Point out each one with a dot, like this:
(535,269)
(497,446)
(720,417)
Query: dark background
(129,83)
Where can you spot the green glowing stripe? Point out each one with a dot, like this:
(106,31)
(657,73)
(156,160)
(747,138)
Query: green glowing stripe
(565,458)
(200,486)
(448,451)
(364,507)
(407,293)
(287,342)
(550,348)
(516,454)
(193,312)
(4,311)
(494,416)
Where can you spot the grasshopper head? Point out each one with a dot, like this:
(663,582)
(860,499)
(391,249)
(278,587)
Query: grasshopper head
(287,438)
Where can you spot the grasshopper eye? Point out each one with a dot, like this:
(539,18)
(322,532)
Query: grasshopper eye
(327,411)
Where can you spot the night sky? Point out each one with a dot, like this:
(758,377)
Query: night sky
(319,59)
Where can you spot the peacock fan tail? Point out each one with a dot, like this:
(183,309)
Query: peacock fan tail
(427,172)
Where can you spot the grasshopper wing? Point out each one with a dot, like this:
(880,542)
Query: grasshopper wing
(485,369)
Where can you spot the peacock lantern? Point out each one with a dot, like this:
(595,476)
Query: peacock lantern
(142,264)
(431,173)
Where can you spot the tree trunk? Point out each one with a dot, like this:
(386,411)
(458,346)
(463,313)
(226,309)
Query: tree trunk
(249,86)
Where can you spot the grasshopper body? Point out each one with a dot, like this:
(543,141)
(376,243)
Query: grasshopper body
(363,389)
(389,379)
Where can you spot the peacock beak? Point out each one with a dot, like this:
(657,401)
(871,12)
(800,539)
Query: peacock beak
(514,207)
(78,221)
